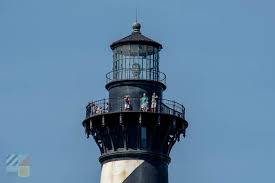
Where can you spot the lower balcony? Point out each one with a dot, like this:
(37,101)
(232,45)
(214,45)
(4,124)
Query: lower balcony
(135,126)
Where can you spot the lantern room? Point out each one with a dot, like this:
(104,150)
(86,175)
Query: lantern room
(135,57)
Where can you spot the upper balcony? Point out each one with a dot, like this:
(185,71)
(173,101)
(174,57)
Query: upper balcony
(112,105)
(134,74)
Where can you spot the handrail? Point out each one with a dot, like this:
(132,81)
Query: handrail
(131,74)
(120,104)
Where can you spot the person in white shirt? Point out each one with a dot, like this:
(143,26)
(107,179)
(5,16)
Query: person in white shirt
(154,102)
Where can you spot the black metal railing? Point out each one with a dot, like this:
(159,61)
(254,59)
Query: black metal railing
(132,74)
(134,104)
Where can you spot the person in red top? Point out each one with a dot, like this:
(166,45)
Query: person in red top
(127,103)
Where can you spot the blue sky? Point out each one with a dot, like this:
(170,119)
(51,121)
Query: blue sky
(218,57)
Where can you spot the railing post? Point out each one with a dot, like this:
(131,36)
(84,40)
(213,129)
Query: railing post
(159,105)
(121,104)
(104,106)
(87,111)
(174,110)
(91,124)
(140,119)
(103,121)
(120,119)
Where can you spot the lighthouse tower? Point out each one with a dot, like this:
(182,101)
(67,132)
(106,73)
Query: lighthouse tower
(135,128)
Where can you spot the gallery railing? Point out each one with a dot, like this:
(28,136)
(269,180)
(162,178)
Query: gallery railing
(134,105)
(135,74)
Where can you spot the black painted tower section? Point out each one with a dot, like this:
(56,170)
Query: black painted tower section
(123,133)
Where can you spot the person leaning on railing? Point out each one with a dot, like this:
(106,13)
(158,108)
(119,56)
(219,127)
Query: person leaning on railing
(93,108)
(106,107)
(88,110)
(99,110)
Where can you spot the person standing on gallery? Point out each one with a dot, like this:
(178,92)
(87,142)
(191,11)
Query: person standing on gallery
(144,103)
(154,102)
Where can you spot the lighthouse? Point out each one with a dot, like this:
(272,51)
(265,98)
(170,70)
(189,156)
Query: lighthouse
(135,127)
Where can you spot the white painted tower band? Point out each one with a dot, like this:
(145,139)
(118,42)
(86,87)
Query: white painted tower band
(118,171)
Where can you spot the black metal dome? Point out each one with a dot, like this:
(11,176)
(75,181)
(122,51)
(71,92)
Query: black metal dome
(136,38)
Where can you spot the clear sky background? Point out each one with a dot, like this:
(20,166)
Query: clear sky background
(219,58)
